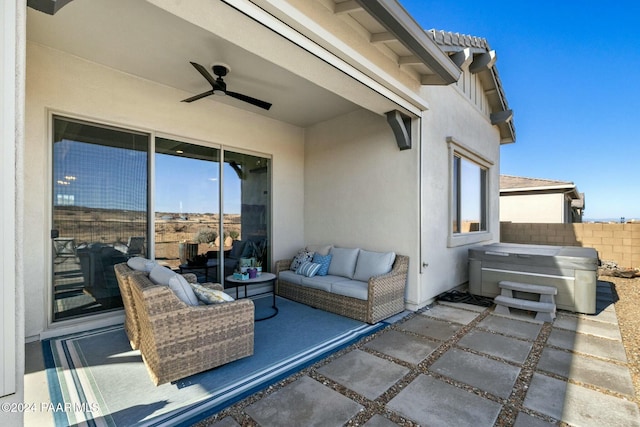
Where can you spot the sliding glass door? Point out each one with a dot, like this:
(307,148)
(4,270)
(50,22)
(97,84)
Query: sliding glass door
(187,207)
(99,210)
(209,208)
(247,210)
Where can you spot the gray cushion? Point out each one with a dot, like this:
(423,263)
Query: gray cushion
(290,276)
(372,264)
(141,264)
(343,262)
(183,289)
(318,282)
(160,275)
(351,288)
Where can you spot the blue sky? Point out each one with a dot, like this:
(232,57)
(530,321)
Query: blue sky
(570,73)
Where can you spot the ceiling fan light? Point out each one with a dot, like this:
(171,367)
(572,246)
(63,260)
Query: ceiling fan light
(219,92)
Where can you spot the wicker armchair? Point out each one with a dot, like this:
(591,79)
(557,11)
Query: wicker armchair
(385,294)
(177,340)
(130,317)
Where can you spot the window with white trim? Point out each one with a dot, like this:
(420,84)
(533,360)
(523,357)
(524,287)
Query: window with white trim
(469,211)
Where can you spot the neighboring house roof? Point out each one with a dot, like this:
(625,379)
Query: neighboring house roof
(474,52)
(520,184)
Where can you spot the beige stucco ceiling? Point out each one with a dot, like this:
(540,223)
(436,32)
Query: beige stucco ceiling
(141,39)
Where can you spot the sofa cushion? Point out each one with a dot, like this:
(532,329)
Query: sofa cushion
(290,276)
(183,289)
(160,275)
(302,256)
(351,288)
(308,269)
(324,261)
(372,264)
(320,249)
(210,296)
(322,283)
(139,263)
(343,262)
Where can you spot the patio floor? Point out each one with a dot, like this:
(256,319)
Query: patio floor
(452,364)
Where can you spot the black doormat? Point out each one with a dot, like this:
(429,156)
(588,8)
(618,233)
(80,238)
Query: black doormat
(465,297)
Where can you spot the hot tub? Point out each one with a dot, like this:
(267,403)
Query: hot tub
(570,269)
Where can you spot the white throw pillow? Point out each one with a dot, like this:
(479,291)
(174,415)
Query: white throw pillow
(301,257)
(210,296)
(372,264)
(183,290)
(139,263)
(343,262)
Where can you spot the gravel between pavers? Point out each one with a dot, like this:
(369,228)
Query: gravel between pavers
(626,296)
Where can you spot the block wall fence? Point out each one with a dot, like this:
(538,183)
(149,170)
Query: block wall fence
(619,243)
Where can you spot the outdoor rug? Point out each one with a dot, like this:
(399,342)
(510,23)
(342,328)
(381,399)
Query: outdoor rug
(99,380)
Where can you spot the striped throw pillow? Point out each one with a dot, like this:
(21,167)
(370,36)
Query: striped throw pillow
(308,269)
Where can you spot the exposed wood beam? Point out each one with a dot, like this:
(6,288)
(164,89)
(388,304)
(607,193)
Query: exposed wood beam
(382,37)
(462,58)
(483,62)
(501,117)
(347,7)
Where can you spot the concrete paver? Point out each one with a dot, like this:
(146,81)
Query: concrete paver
(304,402)
(431,402)
(429,327)
(364,373)
(512,327)
(526,420)
(403,346)
(588,344)
(578,405)
(507,348)
(489,375)
(451,314)
(587,370)
(587,326)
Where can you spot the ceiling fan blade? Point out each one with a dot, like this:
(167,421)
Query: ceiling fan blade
(250,100)
(195,98)
(205,74)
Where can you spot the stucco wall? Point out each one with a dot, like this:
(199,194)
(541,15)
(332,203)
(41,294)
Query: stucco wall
(540,208)
(69,85)
(451,114)
(360,189)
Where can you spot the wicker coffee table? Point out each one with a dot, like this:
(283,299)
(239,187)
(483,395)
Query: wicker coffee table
(259,280)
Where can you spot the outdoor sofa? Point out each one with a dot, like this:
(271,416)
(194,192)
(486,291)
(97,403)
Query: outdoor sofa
(177,336)
(363,285)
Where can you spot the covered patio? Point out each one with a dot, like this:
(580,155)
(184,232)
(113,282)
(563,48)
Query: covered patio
(102,66)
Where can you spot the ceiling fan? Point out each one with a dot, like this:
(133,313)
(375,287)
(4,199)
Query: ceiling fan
(219,87)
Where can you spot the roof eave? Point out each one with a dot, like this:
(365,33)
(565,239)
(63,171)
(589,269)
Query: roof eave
(402,25)
(569,188)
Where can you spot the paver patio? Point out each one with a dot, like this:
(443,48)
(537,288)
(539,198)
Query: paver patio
(461,365)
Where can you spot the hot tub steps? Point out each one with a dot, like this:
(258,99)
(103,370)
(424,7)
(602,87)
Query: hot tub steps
(545,307)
